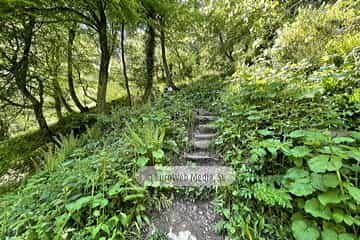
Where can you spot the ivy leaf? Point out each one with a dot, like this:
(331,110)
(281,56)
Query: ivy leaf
(317,181)
(330,180)
(158,154)
(302,230)
(329,234)
(319,163)
(353,191)
(299,151)
(331,197)
(294,173)
(300,182)
(314,208)
(338,215)
(142,161)
(323,163)
(301,189)
(334,164)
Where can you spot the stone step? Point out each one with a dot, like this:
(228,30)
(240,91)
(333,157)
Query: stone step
(201,136)
(205,118)
(201,111)
(199,156)
(206,128)
(201,144)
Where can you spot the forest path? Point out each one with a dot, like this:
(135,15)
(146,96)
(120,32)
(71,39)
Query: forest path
(193,218)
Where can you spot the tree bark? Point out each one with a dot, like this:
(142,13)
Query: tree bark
(70,72)
(20,73)
(104,60)
(58,107)
(169,79)
(124,63)
(150,45)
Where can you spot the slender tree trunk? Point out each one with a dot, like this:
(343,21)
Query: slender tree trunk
(58,106)
(150,45)
(20,72)
(124,63)
(169,79)
(57,99)
(70,72)
(84,88)
(104,60)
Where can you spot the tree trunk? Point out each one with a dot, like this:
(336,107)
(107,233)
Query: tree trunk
(169,79)
(104,61)
(124,63)
(20,73)
(57,99)
(58,109)
(150,45)
(62,98)
(70,72)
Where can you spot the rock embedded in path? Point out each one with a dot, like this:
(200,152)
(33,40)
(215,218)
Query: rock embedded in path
(200,136)
(202,144)
(205,118)
(206,128)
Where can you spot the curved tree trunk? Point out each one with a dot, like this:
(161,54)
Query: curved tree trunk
(124,63)
(169,79)
(20,73)
(70,72)
(150,45)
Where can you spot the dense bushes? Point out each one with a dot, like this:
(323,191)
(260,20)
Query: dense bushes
(283,134)
(317,32)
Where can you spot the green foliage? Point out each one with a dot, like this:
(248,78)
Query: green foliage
(272,196)
(158,235)
(25,152)
(317,32)
(147,143)
(279,133)
(55,157)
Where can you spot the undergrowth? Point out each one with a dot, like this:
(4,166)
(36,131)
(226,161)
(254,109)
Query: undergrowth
(87,189)
(293,140)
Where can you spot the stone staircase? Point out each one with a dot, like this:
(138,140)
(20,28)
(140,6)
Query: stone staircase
(187,219)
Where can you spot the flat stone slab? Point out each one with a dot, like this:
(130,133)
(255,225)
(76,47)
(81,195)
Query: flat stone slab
(187,220)
(206,128)
(199,156)
(200,136)
(205,118)
(202,144)
(201,111)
